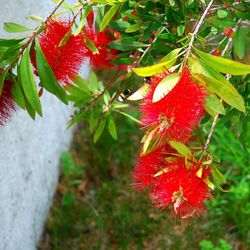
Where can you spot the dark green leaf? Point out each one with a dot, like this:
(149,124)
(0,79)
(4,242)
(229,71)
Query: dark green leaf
(100,129)
(127,44)
(133,28)
(28,82)
(18,95)
(108,16)
(2,78)
(47,76)
(112,127)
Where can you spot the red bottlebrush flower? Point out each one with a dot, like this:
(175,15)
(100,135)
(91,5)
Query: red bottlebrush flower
(182,189)
(147,166)
(66,60)
(7,104)
(101,41)
(177,114)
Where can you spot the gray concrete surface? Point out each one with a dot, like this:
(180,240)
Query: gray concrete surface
(29,153)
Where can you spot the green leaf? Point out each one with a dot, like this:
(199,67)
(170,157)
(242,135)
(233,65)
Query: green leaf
(14,27)
(35,18)
(218,178)
(108,16)
(63,5)
(140,93)
(200,68)
(80,26)
(127,44)
(31,111)
(91,45)
(65,39)
(18,95)
(93,120)
(239,42)
(9,42)
(181,148)
(133,28)
(222,13)
(147,139)
(180,30)
(2,78)
(154,69)
(28,82)
(100,129)
(171,55)
(214,106)
(47,76)
(112,127)
(129,116)
(224,65)
(226,92)
(165,86)
(93,82)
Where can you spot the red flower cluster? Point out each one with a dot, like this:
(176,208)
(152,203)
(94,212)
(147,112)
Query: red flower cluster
(174,117)
(181,188)
(177,114)
(101,40)
(7,104)
(67,59)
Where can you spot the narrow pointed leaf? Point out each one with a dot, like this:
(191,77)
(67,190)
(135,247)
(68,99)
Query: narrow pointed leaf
(2,78)
(47,76)
(181,148)
(14,28)
(91,45)
(224,65)
(165,86)
(213,105)
(28,82)
(154,69)
(99,129)
(140,93)
(171,55)
(226,92)
(112,127)
(108,16)
(65,39)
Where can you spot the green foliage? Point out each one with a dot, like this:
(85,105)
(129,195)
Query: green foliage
(95,207)
(208,245)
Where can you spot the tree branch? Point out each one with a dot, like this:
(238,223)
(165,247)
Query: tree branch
(196,30)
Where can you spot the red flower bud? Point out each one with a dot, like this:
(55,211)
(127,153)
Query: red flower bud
(228,32)
(217,52)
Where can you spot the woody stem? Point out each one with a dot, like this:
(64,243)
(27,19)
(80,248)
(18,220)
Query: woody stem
(33,35)
(196,30)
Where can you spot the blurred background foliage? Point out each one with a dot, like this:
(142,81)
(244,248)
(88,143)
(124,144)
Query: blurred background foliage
(96,208)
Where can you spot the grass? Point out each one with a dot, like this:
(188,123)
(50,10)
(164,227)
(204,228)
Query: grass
(96,208)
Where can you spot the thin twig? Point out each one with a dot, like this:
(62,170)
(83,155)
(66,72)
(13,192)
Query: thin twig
(149,47)
(197,28)
(215,120)
(34,33)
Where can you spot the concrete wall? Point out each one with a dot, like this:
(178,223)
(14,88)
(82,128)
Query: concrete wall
(29,153)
